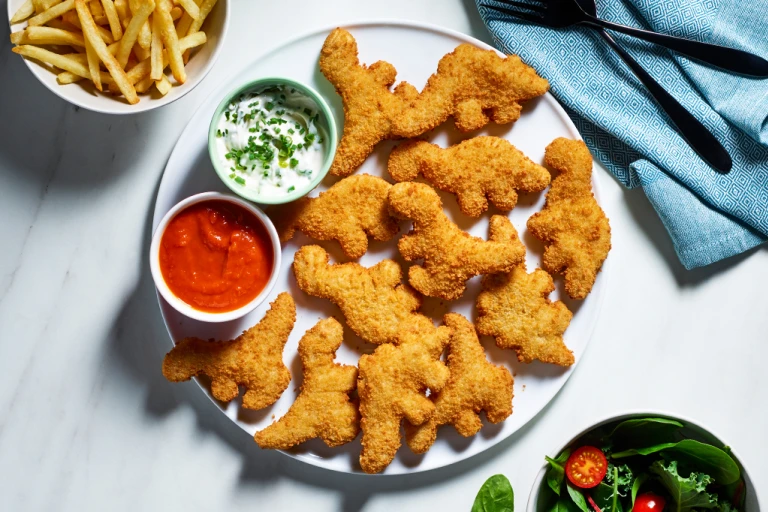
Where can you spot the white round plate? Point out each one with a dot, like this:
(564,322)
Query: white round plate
(414,50)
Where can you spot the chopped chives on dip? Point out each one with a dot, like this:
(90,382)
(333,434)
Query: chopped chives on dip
(270,140)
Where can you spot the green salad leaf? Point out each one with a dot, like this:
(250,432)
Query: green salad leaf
(645,432)
(603,495)
(639,481)
(578,498)
(564,505)
(496,495)
(623,480)
(687,493)
(556,471)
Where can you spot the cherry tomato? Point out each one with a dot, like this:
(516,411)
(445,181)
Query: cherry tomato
(586,467)
(649,502)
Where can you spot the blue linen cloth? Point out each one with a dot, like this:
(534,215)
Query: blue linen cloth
(708,216)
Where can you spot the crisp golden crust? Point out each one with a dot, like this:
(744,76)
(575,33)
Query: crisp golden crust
(476,170)
(572,225)
(369,105)
(373,300)
(451,256)
(323,408)
(391,385)
(253,360)
(474,385)
(514,308)
(349,212)
(474,86)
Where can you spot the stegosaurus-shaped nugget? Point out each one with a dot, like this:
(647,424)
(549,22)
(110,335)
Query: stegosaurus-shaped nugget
(474,385)
(253,360)
(369,105)
(349,212)
(373,300)
(451,256)
(572,225)
(472,170)
(474,86)
(323,408)
(514,308)
(392,384)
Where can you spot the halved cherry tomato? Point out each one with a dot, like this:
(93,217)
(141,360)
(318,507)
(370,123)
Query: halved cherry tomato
(649,502)
(586,467)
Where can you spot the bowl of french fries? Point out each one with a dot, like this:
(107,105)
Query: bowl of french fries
(119,56)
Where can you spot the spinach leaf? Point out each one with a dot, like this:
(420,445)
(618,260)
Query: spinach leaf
(645,432)
(578,498)
(639,481)
(556,472)
(564,505)
(623,478)
(602,495)
(687,493)
(649,450)
(496,495)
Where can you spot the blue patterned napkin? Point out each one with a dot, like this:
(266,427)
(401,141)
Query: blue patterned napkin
(709,216)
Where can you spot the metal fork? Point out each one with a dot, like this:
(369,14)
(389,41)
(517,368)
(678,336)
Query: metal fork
(565,13)
(695,133)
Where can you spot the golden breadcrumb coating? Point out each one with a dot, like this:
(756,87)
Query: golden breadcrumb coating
(373,300)
(348,212)
(253,360)
(474,385)
(369,105)
(323,408)
(451,256)
(476,170)
(392,384)
(515,309)
(474,86)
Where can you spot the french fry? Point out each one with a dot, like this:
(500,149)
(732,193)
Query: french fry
(50,35)
(145,35)
(26,10)
(71,18)
(163,85)
(176,13)
(140,53)
(96,10)
(156,51)
(65,77)
(205,10)
(93,65)
(142,69)
(110,62)
(47,4)
(65,62)
(171,42)
(144,84)
(191,7)
(54,12)
(38,5)
(114,19)
(143,9)
(121,6)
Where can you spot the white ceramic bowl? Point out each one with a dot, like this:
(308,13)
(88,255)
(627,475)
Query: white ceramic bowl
(181,306)
(691,429)
(84,95)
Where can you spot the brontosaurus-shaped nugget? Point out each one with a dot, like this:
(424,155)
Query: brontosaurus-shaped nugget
(253,360)
(392,385)
(349,212)
(474,385)
(323,408)
(451,256)
(474,86)
(572,225)
(373,300)
(476,169)
(369,105)
(514,308)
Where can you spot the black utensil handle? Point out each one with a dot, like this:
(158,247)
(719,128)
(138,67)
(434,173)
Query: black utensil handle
(723,57)
(697,136)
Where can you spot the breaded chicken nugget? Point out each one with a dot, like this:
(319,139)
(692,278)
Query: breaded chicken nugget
(451,256)
(572,225)
(349,212)
(369,105)
(514,308)
(474,385)
(323,408)
(253,360)
(474,86)
(473,170)
(373,300)
(392,383)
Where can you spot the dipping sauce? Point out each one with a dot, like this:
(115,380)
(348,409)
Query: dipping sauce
(270,141)
(216,256)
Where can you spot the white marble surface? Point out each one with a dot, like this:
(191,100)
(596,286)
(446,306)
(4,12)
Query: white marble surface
(87,421)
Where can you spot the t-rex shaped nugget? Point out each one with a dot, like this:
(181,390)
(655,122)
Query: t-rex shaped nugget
(350,211)
(473,170)
(369,105)
(515,309)
(474,86)
(391,385)
(253,360)
(572,225)
(323,408)
(474,385)
(374,301)
(451,256)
